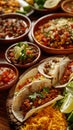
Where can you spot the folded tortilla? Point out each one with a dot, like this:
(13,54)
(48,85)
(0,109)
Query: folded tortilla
(34,87)
(30,75)
(55,68)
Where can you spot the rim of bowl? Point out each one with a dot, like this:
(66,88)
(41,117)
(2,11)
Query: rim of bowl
(19,16)
(25,65)
(7,86)
(50,16)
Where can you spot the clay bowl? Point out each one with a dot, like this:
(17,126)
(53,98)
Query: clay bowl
(8,76)
(15,27)
(67,6)
(43,20)
(23,58)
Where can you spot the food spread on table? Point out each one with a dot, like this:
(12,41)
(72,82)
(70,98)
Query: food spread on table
(43,95)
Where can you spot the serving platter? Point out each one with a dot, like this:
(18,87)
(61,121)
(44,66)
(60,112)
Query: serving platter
(14,92)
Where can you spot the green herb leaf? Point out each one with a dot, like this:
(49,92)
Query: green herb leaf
(46,89)
(32,97)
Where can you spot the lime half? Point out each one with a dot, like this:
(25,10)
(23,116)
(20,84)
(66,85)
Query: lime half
(67,105)
(51,3)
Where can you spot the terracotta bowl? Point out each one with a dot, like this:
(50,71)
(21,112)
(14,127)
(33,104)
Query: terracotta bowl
(44,20)
(23,62)
(18,36)
(8,76)
(67,6)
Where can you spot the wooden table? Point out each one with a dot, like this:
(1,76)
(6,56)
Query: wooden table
(4,122)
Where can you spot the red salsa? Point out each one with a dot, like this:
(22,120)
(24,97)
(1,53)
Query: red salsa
(7,75)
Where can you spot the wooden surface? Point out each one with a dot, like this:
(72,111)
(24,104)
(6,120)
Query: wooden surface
(4,122)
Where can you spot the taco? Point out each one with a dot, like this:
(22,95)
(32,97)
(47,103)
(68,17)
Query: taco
(34,97)
(67,76)
(53,68)
(28,78)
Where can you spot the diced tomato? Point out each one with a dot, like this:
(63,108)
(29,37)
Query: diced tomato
(44,39)
(67,34)
(72,25)
(6,75)
(28,52)
(72,10)
(6,79)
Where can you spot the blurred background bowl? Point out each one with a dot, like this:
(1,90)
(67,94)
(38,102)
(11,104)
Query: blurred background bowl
(67,6)
(23,54)
(21,29)
(16,6)
(8,76)
(38,6)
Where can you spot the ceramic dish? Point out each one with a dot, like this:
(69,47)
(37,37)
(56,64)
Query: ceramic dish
(67,6)
(51,33)
(14,28)
(8,76)
(23,54)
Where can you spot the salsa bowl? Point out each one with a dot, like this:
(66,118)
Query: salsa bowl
(8,76)
(23,54)
(53,34)
(14,27)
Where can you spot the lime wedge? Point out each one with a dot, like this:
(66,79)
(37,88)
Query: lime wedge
(67,105)
(70,117)
(51,3)
(69,87)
